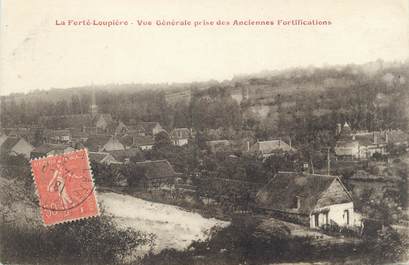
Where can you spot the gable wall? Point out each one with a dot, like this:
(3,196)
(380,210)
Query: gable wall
(22,147)
(335,194)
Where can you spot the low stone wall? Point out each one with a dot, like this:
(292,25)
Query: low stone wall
(285,216)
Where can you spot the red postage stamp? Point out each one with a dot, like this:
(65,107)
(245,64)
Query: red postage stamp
(65,187)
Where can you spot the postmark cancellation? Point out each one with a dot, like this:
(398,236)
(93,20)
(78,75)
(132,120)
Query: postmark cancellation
(65,187)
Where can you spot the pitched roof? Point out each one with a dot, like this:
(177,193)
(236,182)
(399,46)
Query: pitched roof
(95,141)
(157,169)
(138,128)
(97,156)
(78,134)
(347,143)
(267,147)
(63,132)
(279,193)
(45,148)
(9,143)
(143,140)
(368,139)
(121,155)
(180,133)
(148,126)
(126,140)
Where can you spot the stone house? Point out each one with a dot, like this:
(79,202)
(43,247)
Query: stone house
(310,199)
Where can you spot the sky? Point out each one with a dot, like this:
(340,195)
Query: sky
(35,53)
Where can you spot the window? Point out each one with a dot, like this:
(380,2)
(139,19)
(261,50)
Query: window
(346,217)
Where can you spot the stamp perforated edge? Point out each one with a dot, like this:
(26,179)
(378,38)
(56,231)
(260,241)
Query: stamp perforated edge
(98,213)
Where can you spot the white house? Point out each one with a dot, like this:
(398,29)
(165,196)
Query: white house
(143,142)
(180,136)
(311,199)
(364,144)
(267,148)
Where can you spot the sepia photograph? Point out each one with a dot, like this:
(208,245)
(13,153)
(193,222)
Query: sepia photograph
(204,132)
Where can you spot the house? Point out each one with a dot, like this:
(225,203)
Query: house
(125,156)
(16,146)
(143,142)
(219,146)
(156,175)
(103,143)
(126,141)
(268,148)
(150,128)
(45,150)
(102,158)
(137,129)
(19,132)
(119,128)
(360,145)
(78,136)
(347,149)
(102,122)
(310,199)
(58,136)
(180,136)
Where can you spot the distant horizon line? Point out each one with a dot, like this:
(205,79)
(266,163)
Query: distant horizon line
(237,75)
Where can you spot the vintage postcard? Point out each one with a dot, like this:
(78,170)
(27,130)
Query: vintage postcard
(204,132)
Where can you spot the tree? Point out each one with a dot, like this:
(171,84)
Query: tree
(162,140)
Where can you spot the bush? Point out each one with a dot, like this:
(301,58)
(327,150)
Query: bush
(388,247)
(88,241)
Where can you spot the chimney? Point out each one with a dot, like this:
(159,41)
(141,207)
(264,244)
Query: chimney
(248,146)
(289,142)
(387,137)
(375,138)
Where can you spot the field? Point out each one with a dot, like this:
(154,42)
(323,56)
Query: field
(174,227)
